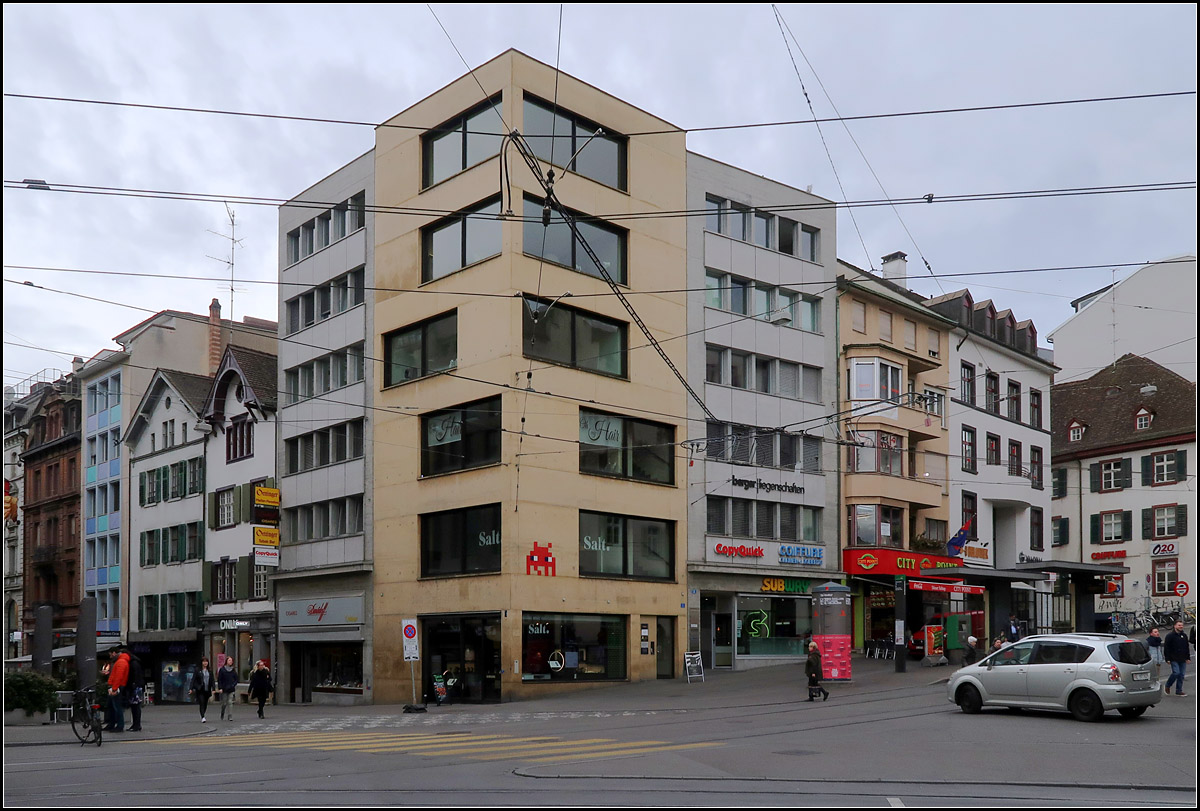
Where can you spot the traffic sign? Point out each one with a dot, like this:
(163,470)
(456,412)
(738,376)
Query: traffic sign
(411,645)
(1181,588)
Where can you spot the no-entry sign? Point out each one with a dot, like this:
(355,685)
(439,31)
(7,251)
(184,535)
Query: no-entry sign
(1181,588)
(411,645)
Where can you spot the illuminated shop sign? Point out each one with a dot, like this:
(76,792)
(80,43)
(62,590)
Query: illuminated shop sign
(893,561)
(785,585)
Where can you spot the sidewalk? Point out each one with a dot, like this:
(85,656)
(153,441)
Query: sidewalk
(721,688)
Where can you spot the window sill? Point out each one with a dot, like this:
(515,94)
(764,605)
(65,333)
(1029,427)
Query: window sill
(619,282)
(476,263)
(561,365)
(445,473)
(626,577)
(426,376)
(456,575)
(619,477)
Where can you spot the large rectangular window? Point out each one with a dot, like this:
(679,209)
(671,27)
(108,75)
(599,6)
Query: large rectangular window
(420,350)
(570,337)
(467,237)
(877,525)
(626,447)
(465,541)
(462,142)
(556,243)
(461,438)
(564,139)
(773,626)
(573,647)
(625,546)
(966,384)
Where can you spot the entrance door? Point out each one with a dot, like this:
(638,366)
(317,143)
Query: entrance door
(666,647)
(722,640)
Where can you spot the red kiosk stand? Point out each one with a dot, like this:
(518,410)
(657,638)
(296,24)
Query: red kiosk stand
(832,627)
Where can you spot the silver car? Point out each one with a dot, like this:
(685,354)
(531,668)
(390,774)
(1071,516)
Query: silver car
(1084,674)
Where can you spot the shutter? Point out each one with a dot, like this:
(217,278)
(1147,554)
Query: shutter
(183,478)
(1147,524)
(200,539)
(1147,470)
(206,573)
(1064,532)
(812,454)
(1095,471)
(212,510)
(164,609)
(164,482)
(1096,537)
(1127,472)
(244,582)
(1127,525)
(200,475)
(141,613)
(271,482)
(142,491)
(141,561)
(165,545)
(181,546)
(180,610)
(1181,520)
(1180,465)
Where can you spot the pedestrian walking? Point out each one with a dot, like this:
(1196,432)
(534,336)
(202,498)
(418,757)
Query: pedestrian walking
(970,652)
(204,683)
(260,685)
(1177,650)
(1154,645)
(135,691)
(118,677)
(109,707)
(1013,629)
(812,669)
(227,682)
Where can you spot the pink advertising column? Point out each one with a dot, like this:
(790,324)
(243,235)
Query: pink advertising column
(832,625)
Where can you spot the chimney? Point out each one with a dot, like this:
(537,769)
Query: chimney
(214,336)
(76,364)
(895,268)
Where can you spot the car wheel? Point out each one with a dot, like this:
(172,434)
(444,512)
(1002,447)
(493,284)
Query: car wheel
(1085,706)
(1132,712)
(968,699)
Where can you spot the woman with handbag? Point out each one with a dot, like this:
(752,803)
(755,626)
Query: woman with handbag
(260,685)
(812,669)
(203,685)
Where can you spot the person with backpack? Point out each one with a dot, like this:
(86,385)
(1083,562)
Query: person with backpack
(135,690)
(118,677)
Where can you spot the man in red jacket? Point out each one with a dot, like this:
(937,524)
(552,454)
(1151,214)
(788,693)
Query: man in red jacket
(118,677)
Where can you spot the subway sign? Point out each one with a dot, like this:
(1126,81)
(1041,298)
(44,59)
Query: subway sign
(893,561)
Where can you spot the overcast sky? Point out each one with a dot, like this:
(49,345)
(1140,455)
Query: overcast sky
(699,65)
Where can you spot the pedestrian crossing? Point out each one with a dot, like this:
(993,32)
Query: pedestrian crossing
(533,748)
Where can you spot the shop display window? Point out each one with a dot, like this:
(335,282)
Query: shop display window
(339,669)
(774,626)
(573,647)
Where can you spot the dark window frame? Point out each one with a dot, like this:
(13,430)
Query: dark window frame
(461,515)
(628,453)
(459,124)
(465,217)
(628,563)
(579,259)
(470,433)
(423,327)
(527,322)
(619,141)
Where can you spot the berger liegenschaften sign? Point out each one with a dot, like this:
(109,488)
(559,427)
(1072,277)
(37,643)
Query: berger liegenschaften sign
(765,487)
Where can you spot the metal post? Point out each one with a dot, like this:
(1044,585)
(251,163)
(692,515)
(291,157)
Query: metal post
(85,643)
(901,616)
(412,679)
(43,639)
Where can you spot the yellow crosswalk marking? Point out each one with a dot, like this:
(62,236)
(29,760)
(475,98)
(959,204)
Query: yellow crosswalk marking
(565,747)
(638,751)
(547,745)
(436,748)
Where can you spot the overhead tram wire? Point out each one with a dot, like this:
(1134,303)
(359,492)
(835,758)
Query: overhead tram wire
(1070,191)
(713,128)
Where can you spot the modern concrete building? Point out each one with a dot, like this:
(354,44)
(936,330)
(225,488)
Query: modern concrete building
(762,350)
(110,382)
(1150,313)
(326,321)
(166,521)
(894,378)
(999,427)
(529,488)
(1121,487)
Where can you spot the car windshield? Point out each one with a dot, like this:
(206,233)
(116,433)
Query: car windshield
(1129,652)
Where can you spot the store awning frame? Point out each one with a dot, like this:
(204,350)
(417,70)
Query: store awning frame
(969,573)
(1072,567)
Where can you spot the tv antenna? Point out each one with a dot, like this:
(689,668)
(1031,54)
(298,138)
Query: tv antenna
(234,242)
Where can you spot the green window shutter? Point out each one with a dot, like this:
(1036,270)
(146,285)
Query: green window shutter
(141,561)
(1147,524)
(1180,465)
(165,545)
(164,482)
(200,471)
(1065,531)
(183,478)
(141,613)
(142,489)
(206,579)
(243,586)
(212,510)
(180,609)
(1096,537)
(163,609)
(1127,473)
(181,548)
(1147,470)
(1181,520)
(1095,476)
(1127,525)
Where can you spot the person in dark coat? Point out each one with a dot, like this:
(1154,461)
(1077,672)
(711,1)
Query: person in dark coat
(260,685)
(812,669)
(1178,652)
(204,682)
(1154,646)
(135,690)
(970,652)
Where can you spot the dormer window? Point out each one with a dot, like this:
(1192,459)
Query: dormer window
(1142,420)
(1076,433)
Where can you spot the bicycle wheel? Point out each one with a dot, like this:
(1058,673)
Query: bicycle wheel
(85,721)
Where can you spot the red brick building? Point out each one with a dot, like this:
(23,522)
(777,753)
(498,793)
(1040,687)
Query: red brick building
(52,509)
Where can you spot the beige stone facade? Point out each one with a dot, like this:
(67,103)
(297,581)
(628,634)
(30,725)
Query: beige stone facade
(536,478)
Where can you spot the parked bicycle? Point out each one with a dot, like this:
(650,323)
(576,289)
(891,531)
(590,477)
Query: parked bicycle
(86,719)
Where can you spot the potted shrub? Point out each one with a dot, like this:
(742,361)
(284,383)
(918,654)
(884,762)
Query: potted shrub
(28,694)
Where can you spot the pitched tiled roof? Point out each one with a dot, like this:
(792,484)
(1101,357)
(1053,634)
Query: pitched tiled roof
(261,372)
(193,388)
(1108,401)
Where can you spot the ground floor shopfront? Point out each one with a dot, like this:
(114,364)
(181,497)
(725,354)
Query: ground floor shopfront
(169,659)
(741,621)
(326,651)
(244,638)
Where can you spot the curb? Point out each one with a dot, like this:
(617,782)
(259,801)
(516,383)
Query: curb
(75,741)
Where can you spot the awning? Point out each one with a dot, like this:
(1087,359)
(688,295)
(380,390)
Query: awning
(68,651)
(1072,567)
(970,573)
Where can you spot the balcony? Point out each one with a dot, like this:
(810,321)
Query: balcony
(921,493)
(44,555)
